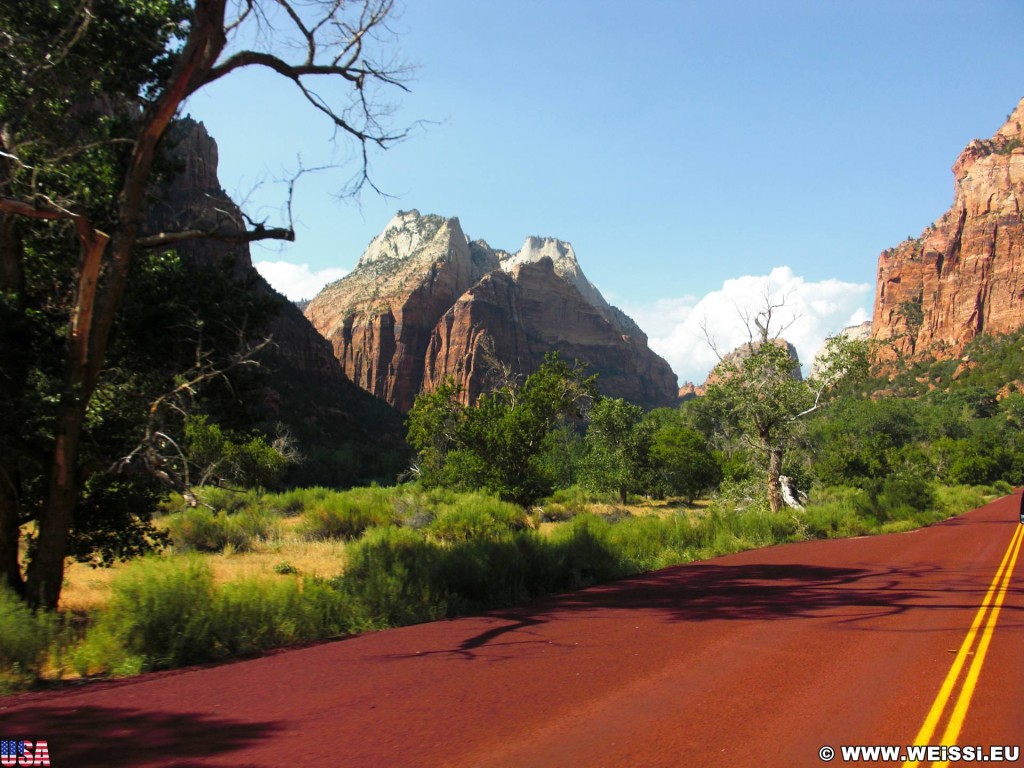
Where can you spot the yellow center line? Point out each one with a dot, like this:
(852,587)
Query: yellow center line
(956,720)
(996,589)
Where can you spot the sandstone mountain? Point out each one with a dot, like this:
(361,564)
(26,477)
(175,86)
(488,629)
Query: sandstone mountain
(965,274)
(302,384)
(425,303)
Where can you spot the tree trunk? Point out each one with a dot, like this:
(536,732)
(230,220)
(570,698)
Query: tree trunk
(46,571)
(622,496)
(774,472)
(12,384)
(10,570)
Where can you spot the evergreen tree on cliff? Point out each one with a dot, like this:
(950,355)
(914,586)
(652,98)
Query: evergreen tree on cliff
(88,92)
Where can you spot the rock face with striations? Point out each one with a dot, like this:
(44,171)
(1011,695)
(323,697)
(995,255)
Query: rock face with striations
(965,274)
(424,304)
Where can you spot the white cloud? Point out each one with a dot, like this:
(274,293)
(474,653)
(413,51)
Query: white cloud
(297,281)
(815,310)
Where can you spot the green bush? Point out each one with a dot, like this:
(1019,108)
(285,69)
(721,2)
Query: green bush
(163,611)
(348,514)
(838,512)
(391,574)
(954,499)
(167,613)
(476,516)
(566,503)
(255,524)
(294,502)
(26,636)
(904,494)
(257,614)
(585,553)
(1002,488)
(202,530)
(102,652)
(225,499)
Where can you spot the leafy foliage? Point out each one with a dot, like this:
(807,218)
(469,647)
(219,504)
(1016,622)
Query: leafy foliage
(498,445)
(618,446)
(682,463)
(761,398)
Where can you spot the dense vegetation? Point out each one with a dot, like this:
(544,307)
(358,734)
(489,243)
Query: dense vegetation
(438,547)
(105,332)
(412,555)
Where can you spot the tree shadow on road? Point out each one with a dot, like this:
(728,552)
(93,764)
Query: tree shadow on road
(709,592)
(113,736)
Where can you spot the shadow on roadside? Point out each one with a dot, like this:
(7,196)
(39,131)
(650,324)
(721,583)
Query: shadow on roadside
(112,736)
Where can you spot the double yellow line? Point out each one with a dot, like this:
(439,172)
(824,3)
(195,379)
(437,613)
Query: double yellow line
(990,608)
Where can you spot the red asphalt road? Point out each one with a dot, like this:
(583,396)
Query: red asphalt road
(755,659)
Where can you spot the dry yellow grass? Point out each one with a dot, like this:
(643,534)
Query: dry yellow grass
(87,588)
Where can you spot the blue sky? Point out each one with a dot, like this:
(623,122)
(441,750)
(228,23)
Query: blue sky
(690,151)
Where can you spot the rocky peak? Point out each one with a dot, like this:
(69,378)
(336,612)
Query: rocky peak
(304,387)
(424,304)
(563,259)
(407,234)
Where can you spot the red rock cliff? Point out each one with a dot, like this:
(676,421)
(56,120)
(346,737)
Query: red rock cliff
(965,274)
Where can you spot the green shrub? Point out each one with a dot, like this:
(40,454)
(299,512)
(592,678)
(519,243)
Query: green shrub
(294,502)
(954,499)
(645,543)
(904,494)
(391,574)
(200,529)
(585,553)
(580,498)
(26,637)
(414,508)
(476,516)
(348,514)
(225,499)
(103,652)
(255,524)
(762,528)
(163,611)
(837,512)
(257,614)
(167,613)
(1002,488)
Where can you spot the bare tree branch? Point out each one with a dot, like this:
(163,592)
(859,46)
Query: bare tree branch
(168,239)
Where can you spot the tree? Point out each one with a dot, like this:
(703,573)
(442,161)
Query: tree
(762,394)
(682,463)
(499,444)
(88,92)
(618,447)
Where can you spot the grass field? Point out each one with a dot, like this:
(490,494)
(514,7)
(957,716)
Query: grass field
(247,572)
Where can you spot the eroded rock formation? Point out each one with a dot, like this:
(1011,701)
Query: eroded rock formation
(425,304)
(965,274)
